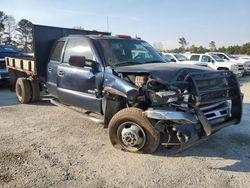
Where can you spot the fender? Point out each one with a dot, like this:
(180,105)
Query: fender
(118,86)
(116,89)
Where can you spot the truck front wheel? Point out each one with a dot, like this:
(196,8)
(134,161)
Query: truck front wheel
(130,130)
(23,90)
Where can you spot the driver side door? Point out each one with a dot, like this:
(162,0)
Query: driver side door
(76,85)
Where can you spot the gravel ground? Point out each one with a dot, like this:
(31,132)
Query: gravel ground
(43,145)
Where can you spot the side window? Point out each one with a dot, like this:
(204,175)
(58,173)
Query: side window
(205,58)
(78,47)
(195,57)
(222,56)
(56,54)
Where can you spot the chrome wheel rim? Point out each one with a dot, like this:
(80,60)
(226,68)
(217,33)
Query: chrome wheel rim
(131,136)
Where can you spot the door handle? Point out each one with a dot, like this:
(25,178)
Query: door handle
(60,73)
(50,69)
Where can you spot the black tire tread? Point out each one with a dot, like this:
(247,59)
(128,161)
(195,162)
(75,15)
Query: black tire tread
(26,90)
(136,115)
(35,90)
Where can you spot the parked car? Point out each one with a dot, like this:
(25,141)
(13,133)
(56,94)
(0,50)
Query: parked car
(244,59)
(7,51)
(241,61)
(215,62)
(181,59)
(139,96)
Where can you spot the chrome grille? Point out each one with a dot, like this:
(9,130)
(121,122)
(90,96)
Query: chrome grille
(213,91)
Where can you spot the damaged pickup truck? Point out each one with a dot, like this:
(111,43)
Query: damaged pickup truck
(141,98)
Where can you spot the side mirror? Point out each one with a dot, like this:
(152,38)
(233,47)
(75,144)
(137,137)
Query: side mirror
(81,61)
(77,61)
(172,60)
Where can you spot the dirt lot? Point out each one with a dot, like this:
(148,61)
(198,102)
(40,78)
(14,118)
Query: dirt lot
(42,145)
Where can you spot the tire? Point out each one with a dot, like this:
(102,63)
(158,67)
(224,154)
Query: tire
(23,90)
(35,88)
(136,120)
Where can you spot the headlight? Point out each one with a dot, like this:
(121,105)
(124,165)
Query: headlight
(234,67)
(163,96)
(165,93)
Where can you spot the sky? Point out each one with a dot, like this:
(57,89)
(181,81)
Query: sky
(227,22)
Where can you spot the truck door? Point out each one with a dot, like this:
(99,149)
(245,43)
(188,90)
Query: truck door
(55,59)
(77,85)
(210,62)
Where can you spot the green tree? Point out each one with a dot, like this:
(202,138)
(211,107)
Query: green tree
(183,42)
(2,27)
(212,46)
(9,32)
(246,49)
(24,35)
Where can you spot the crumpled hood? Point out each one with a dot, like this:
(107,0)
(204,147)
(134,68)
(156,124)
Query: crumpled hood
(163,72)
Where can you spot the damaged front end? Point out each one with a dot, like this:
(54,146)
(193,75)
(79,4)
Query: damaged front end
(186,109)
(194,107)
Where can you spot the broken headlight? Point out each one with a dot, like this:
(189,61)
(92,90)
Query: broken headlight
(162,97)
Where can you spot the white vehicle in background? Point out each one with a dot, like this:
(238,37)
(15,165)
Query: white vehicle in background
(181,59)
(215,62)
(246,60)
(242,61)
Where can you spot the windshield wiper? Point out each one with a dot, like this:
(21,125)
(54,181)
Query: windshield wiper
(155,61)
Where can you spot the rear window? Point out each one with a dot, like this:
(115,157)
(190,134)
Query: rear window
(195,57)
(56,55)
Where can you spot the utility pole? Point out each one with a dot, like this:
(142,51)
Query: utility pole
(107,24)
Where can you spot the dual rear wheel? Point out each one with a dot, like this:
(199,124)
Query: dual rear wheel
(27,90)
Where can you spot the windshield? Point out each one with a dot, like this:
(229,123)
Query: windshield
(167,58)
(217,58)
(233,56)
(181,57)
(121,52)
(222,56)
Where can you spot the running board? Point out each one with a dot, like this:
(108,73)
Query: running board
(86,114)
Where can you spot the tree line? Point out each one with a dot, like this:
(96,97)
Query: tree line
(20,35)
(17,34)
(184,47)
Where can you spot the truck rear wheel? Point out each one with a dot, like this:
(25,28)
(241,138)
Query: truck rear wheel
(130,130)
(35,88)
(23,90)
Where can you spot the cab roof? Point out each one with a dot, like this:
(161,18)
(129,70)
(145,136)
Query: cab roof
(98,37)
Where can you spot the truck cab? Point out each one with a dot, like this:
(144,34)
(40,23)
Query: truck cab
(181,59)
(215,62)
(243,63)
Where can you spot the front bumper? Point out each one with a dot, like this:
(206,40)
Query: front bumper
(238,73)
(247,69)
(213,109)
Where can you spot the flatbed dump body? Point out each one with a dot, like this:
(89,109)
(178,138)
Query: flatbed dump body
(44,38)
(26,65)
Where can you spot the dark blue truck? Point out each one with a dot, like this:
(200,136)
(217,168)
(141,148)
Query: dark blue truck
(141,97)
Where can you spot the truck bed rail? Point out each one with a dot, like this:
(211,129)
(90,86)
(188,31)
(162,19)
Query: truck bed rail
(25,64)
